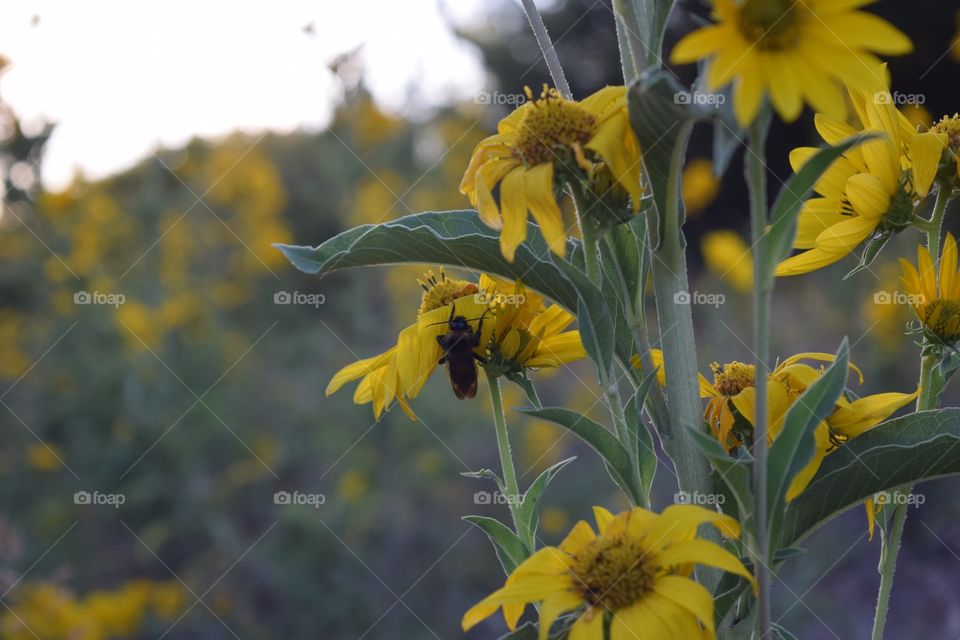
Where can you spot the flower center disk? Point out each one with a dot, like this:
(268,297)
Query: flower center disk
(771,24)
(551,122)
(612,572)
(732,378)
(439,292)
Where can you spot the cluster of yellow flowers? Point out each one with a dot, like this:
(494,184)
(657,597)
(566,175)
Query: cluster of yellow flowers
(48,610)
(632,576)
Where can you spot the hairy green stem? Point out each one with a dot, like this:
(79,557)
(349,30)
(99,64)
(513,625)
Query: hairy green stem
(756,174)
(506,458)
(675,320)
(926,400)
(546,47)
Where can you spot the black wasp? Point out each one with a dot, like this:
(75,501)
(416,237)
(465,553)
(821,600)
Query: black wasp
(458,344)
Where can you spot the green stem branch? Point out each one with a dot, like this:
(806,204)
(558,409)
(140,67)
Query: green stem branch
(547,48)
(756,174)
(506,458)
(926,400)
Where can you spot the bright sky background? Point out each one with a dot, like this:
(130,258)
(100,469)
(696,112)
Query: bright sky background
(122,78)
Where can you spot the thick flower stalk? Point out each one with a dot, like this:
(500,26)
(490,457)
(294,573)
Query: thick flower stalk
(636,569)
(544,144)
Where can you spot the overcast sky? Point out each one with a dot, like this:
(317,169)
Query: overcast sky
(122,78)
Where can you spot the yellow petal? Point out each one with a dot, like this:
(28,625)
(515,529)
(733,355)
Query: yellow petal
(701,43)
(680,522)
(844,237)
(690,595)
(529,589)
(513,205)
(705,553)
(580,536)
(806,262)
(821,439)
(358,370)
(948,266)
(925,151)
(748,91)
(867,412)
(543,206)
(868,195)
(785,91)
(587,627)
(817,214)
(861,29)
(615,143)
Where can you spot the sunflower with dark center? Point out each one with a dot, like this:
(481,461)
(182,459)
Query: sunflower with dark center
(543,146)
(636,570)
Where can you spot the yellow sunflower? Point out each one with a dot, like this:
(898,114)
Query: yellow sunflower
(542,144)
(637,570)
(794,50)
(869,192)
(937,307)
(515,330)
(731,400)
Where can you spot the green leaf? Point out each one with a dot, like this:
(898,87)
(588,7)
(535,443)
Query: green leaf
(794,447)
(661,122)
(777,242)
(917,447)
(459,239)
(594,318)
(511,550)
(646,454)
(527,516)
(870,252)
(452,238)
(735,473)
(623,260)
(602,441)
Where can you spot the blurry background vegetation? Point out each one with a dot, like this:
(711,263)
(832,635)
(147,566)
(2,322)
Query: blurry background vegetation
(198,398)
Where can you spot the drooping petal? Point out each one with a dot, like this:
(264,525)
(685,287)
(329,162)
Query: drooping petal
(690,595)
(513,206)
(807,261)
(867,412)
(845,236)
(925,151)
(543,206)
(867,194)
(701,44)
(705,553)
(748,90)
(861,29)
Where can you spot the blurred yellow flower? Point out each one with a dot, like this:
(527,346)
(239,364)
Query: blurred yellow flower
(44,456)
(553,521)
(728,256)
(794,51)
(541,143)
(917,115)
(699,186)
(637,569)
(352,486)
